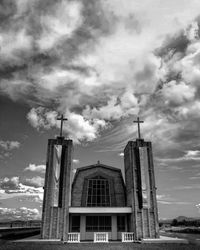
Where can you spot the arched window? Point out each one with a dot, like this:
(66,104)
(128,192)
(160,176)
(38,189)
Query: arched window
(98,192)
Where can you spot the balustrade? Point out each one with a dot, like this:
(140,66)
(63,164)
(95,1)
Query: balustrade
(73,237)
(127,237)
(100,237)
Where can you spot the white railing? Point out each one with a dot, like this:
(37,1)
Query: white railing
(73,237)
(101,237)
(127,237)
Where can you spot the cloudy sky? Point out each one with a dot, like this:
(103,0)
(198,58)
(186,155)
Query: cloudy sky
(100,63)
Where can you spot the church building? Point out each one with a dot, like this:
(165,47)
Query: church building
(98,198)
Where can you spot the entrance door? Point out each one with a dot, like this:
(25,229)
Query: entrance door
(98,223)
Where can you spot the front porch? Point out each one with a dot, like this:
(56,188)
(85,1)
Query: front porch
(90,220)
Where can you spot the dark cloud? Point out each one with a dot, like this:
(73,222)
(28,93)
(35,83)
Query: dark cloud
(82,59)
(147,73)
(7,9)
(25,63)
(177,43)
(8,71)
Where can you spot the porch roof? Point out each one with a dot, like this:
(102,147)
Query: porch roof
(100,210)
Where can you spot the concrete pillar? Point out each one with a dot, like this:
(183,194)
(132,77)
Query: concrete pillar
(140,183)
(126,223)
(55,216)
(114,227)
(83,227)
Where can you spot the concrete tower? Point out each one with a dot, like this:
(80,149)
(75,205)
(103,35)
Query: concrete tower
(140,188)
(57,189)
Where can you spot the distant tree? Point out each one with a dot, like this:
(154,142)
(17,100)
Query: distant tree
(174,223)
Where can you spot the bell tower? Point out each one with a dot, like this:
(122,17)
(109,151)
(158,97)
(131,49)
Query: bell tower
(57,188)
(140,188)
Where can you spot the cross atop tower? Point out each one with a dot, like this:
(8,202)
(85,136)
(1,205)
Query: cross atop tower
(138,122)
(61,119)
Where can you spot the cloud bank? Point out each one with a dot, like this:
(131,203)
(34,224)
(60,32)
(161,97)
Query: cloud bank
(99,63)
(22,185)
(22,213)
(36,168)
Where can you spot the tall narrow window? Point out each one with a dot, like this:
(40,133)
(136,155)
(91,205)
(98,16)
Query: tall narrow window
(144,175)
(75,223)
(98,192)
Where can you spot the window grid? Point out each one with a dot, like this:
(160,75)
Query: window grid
(98,193)
(98,223)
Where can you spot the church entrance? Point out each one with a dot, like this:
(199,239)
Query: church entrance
(88,224)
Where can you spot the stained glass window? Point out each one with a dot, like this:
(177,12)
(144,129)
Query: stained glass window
(98,192)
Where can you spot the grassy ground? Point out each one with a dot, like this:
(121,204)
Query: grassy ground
(8,245)
(19,233)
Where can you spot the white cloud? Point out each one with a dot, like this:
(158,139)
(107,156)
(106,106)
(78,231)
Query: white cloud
(78,128)
(81,128)
(198,207)
(100,63)
(10,183)
(60,24)
(189,155)
(188,110)
(167,200)
(9,145)
(192,154)
(15,185)
(178,93)
(37,181)
(40,118)
(12,42)
(22,213)
(161,17)
(36,168)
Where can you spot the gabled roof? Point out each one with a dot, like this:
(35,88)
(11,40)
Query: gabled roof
(98,164)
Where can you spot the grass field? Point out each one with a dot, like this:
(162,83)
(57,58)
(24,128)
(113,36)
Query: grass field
(8,245)
(10,241)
